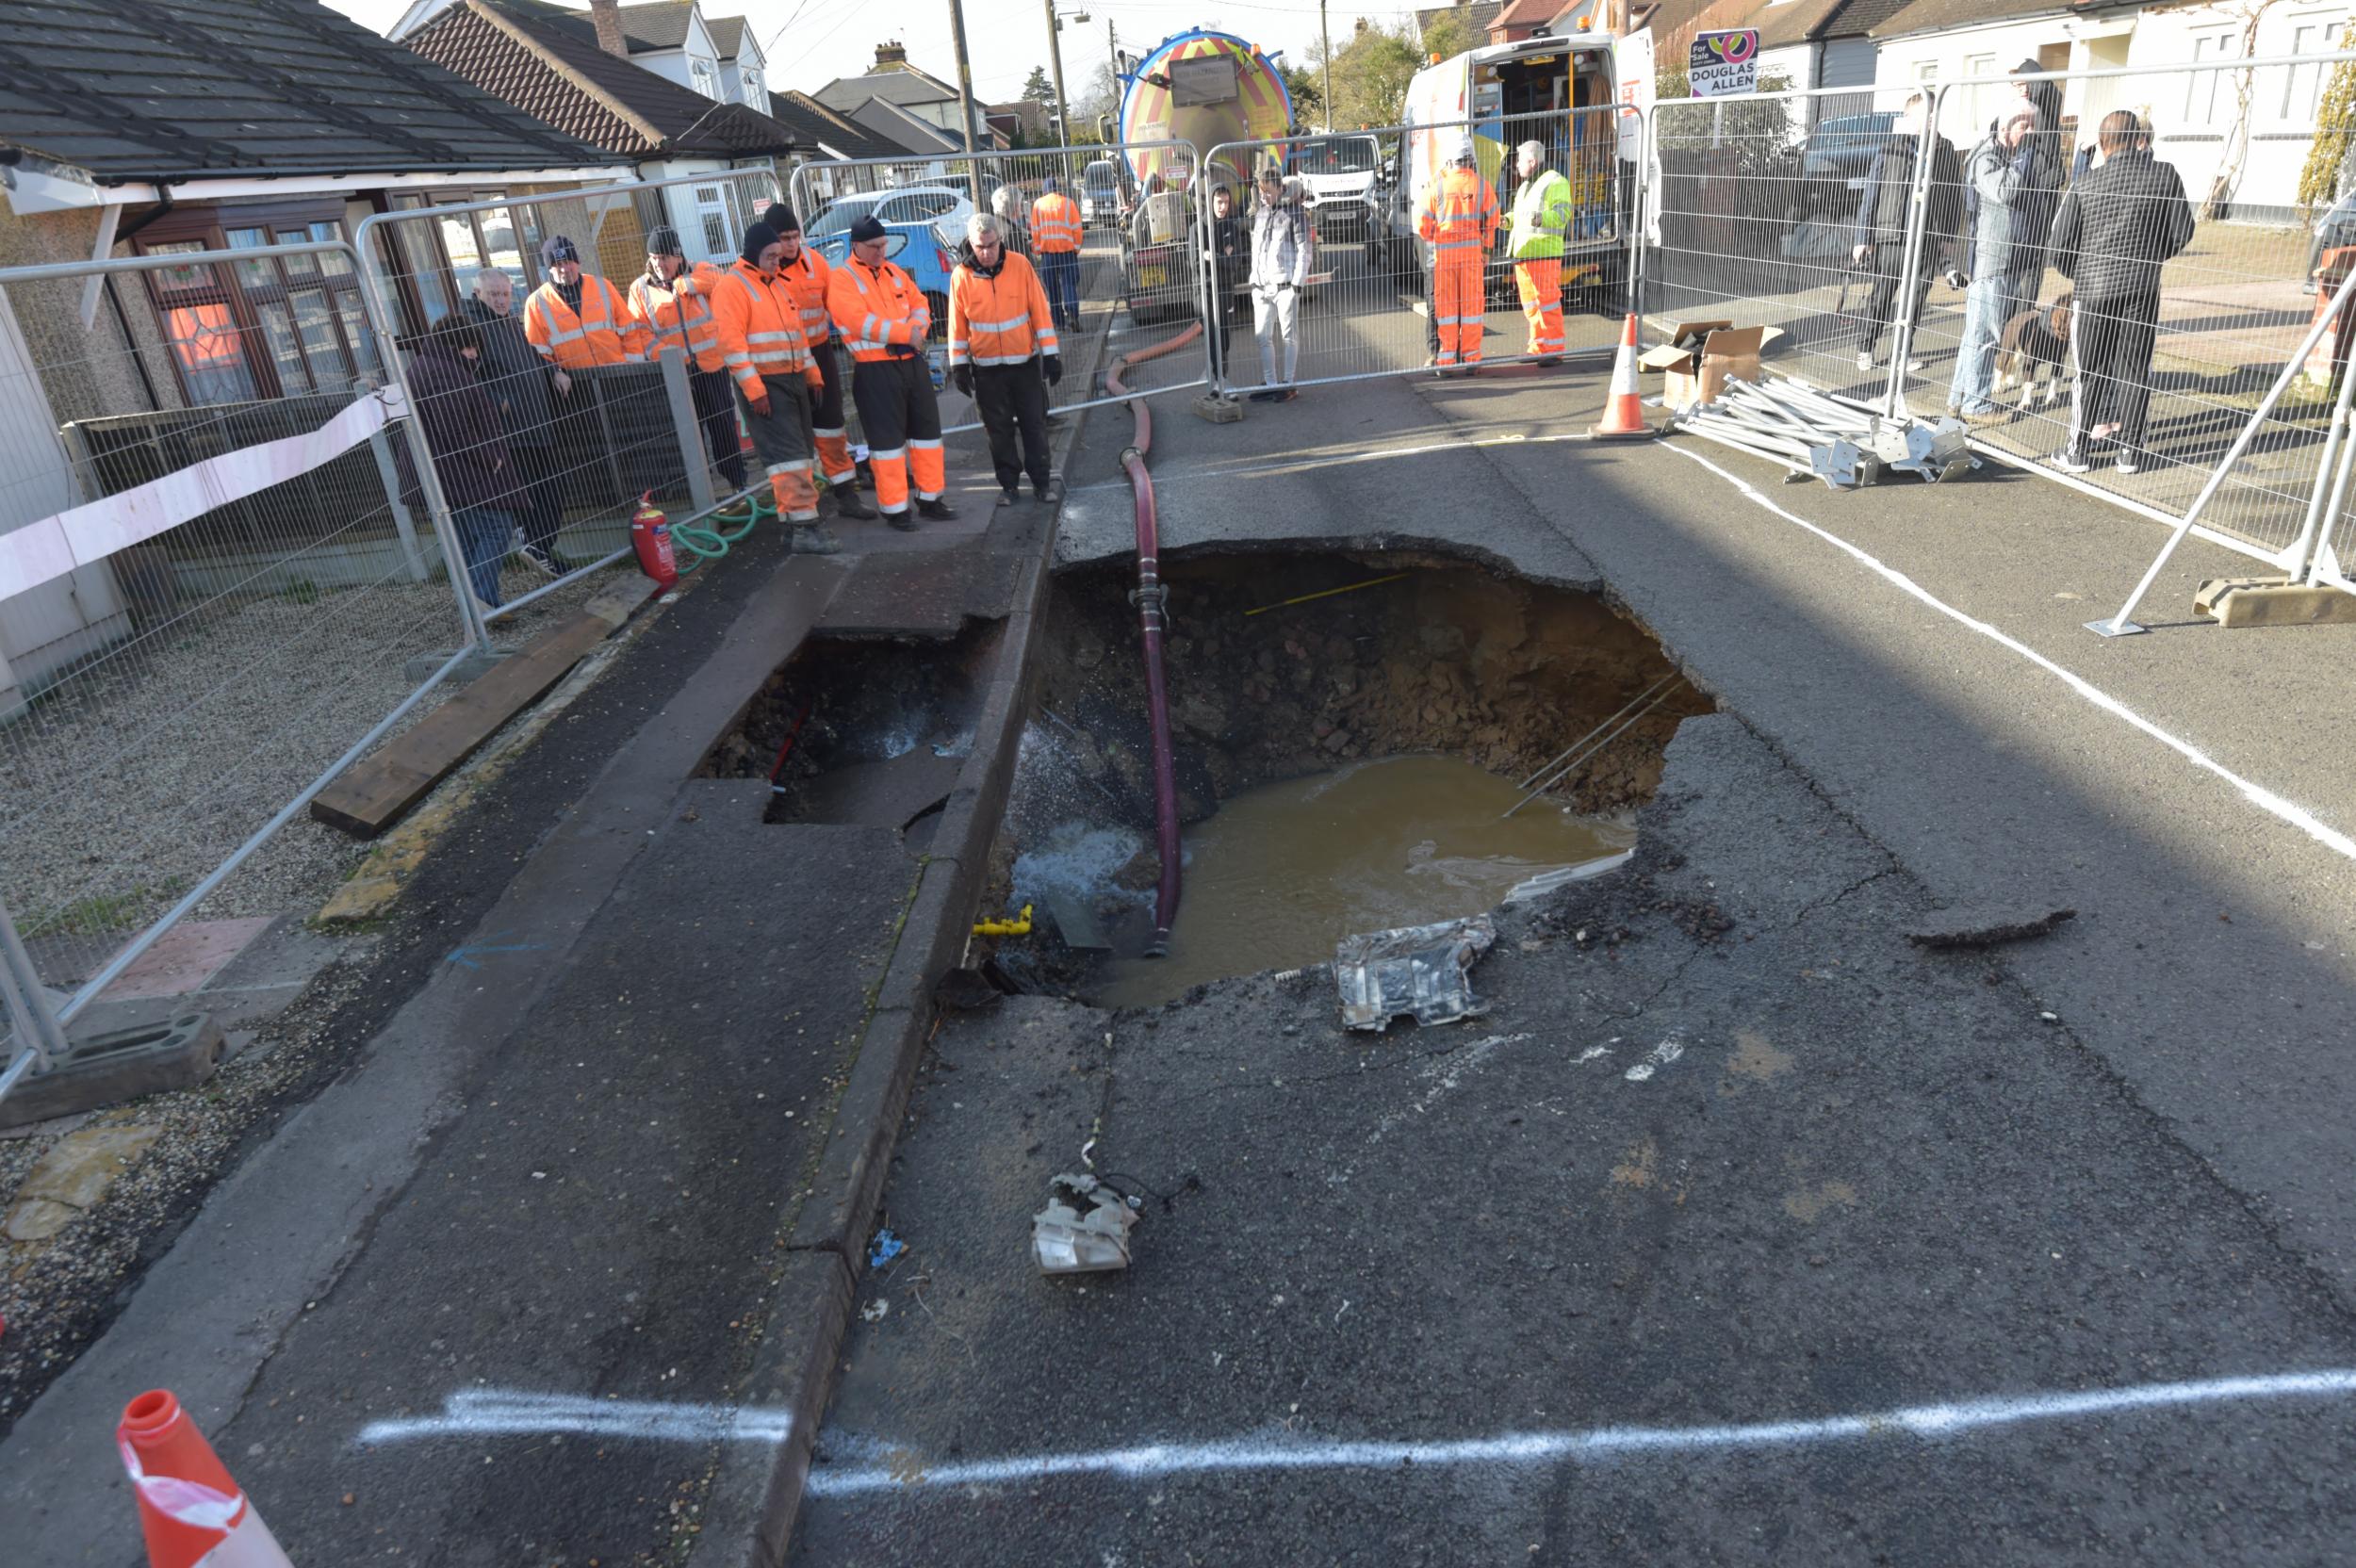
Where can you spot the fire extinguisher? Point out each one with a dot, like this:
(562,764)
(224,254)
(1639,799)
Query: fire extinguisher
(650,536)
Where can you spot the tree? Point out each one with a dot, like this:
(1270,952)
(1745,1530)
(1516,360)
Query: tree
(1371,71)
(2334,145)
(1445,37)
(1308,102)
(1036,88)
(2237,153)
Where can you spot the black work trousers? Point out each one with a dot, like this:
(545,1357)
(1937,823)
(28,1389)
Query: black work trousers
(1889,263)
(1013,403)
(540,514)
(715,411)
(2113,339)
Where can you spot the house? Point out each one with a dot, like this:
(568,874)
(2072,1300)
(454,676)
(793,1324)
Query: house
(1027,118)
(1468,21)
(717,56)
(1825,43)
(2196,116)
(918,93)
(254,120)
(574,69)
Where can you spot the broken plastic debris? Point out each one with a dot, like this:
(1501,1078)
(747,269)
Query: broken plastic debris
(1084,1229)
(873,1311)
(1424,971)
(885,1247)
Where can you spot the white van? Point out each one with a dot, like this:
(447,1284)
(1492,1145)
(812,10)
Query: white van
(1099,194)
(1583,95)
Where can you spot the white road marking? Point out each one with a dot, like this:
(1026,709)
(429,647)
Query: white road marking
(2257,795)
(1657,1057)
(1156,1460)
(486,1413)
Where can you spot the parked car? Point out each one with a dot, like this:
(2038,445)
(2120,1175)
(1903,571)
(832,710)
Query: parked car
(1340,173)
(1842,147)
(906,204)
(1101,202)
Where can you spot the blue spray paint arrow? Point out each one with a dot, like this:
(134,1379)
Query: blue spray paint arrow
(469,954)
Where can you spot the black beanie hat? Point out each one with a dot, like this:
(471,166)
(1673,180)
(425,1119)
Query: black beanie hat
(664,241)
(867,228)
(757,239)
(781,218)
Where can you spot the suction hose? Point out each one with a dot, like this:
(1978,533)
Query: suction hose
(1148,598)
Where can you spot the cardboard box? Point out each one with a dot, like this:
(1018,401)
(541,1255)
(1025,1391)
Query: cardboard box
(1702,356)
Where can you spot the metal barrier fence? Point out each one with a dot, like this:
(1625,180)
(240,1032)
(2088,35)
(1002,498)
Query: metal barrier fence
(1372,303)
(210,600)
(1138,240)
(586,440)
(1811,214)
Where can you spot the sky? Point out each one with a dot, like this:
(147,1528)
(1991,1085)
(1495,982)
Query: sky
(826,38)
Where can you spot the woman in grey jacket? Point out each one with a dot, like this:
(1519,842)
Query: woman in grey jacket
(1279,265)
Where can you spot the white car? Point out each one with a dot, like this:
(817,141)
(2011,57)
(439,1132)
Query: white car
(943,206)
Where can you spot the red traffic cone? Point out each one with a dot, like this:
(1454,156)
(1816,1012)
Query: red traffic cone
(1623,407)
(189,1510)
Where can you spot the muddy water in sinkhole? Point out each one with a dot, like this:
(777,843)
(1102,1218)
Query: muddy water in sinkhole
(1283,872)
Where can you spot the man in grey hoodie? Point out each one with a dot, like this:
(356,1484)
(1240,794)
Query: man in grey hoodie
(2012,181)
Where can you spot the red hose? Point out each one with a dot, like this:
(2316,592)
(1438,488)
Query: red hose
(1150,624)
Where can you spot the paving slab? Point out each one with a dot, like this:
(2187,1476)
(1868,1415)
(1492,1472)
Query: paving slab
(929,595)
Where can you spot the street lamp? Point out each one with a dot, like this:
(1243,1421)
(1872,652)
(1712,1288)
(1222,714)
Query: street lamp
(1055,57)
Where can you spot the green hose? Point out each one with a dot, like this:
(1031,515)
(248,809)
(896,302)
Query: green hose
(695,543)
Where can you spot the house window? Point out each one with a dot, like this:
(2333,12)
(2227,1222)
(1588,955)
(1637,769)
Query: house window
(2207,92)
(712,212)
(272,326)
(750,77)
(707,80)
(2303,83)
(441,259)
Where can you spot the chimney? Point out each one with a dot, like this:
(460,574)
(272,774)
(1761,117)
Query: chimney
(1362,25)
(606,16)
(890,56)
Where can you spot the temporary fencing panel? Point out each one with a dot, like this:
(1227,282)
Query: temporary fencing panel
(211,598)
(1132,278)
(2165,318)
(586,441)
(1373,303)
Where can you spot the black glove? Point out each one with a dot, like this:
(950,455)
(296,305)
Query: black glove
(963,376)
(1055,368)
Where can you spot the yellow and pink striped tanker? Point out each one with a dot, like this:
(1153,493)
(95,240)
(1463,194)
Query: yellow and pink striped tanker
(1204,88)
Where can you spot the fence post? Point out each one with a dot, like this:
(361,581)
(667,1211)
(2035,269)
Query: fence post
(1641,208)
(40,1038)
(1918,226)
(691,435)
(402,523)
(2333,473)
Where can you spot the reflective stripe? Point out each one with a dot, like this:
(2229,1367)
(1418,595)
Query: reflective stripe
(773,337)
(573,337)
(732,357)
(1007,325)
(915,445)
(827,430)
(776,468)
(888,456)
(1002,359)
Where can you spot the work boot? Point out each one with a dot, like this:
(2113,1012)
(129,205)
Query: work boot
(1008,496)
(1047,492)
(937,511)
(813,539)
(847,502)
(901,520)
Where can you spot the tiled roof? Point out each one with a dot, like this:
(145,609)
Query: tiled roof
(1860,17)
(727,34)
(508,48)
(1796,22)
(894,86)
(662,25)
(1476,18)
(812,123)
(170,89)
(1931,16)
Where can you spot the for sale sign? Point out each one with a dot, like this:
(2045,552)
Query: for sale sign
(1721,63)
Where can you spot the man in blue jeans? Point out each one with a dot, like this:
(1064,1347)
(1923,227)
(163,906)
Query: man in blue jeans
(479,477)
(2013,186)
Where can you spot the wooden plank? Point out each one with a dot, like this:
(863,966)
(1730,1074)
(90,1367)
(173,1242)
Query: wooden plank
(380,790)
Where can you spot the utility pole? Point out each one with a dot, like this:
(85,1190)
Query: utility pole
(965,102)
(1054,59)
(1326,33)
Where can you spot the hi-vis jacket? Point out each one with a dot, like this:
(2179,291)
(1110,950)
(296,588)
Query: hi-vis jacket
(1541,215)
(602,334)
(1000,316)
(876,309)
(679,313)
(809,275)
(1460,216)
(760,330)
(1054,223)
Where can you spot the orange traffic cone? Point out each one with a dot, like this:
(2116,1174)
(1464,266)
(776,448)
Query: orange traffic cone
(1623,408)
(189,1510)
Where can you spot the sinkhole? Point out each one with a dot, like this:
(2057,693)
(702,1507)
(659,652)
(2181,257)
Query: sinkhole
(1349,729)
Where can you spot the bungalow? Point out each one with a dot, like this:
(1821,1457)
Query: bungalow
(915,93)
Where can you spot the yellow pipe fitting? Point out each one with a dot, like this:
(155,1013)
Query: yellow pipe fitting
(1021,927)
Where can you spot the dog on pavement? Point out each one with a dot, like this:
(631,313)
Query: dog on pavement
(2032,354)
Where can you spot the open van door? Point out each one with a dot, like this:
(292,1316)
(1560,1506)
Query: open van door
(1631,56)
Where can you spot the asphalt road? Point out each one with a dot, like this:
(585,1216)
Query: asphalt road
(2103,1167)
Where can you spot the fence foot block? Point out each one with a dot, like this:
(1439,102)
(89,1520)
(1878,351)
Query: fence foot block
(121,1064)
(2238,601)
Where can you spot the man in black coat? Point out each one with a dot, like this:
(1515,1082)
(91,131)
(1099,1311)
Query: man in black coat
(1880,245)
(2114,229)
(468,446)
(521,383)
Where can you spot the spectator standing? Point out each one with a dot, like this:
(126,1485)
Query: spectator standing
(525,390)
(1882,222)
(669,302)
(1227,264)
(2114,230)
(808,274)
(884,320)
(1005,204)
(470,457)
(577,319)
(2014,182)
(1279,265)
(759,321)
(1055,236)
(1001,337)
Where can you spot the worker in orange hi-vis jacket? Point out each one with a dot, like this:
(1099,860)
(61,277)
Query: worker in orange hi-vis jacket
(808,273)
(884,320)
(761,339)
(671,301)
(1460,222)
(577,319)
(1056,234)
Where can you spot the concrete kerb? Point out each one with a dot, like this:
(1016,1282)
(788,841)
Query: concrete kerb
(755,1492)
